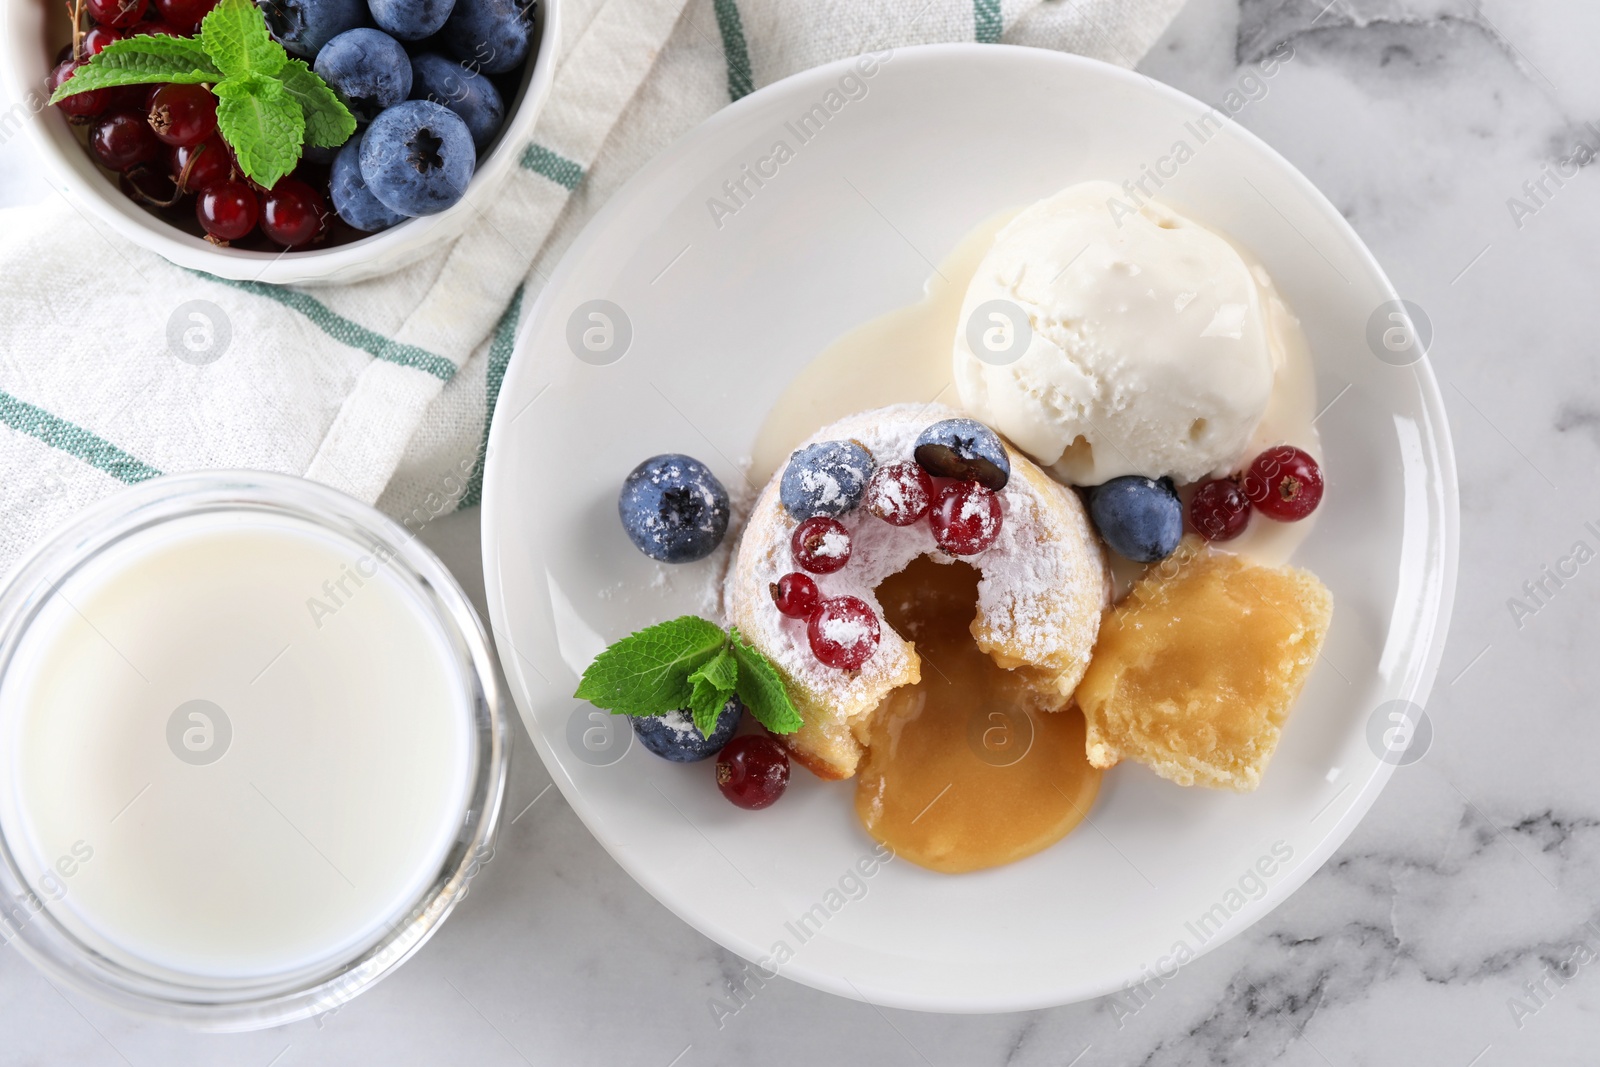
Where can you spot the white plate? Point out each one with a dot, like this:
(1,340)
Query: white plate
(722,317)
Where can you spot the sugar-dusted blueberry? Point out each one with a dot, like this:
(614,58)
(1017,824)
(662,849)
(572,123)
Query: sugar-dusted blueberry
(674,735)
(673,508)
(1140,518)
(304,26)
(964,449)
(368,69)
(827,478)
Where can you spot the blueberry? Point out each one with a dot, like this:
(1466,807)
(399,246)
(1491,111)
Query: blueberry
(674,736)
(304,26)
(673,508)
(828,478)
(417,157)
(491,36)
(1140,518)
(964,449)
(352,200)
(467,93)
(368,69)
(411,20)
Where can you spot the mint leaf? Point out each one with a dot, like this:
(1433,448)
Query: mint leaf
(713,683)
(142,60)
(329,123)
(258,117)
(721,671)
(706,702)
(235,35)
(648,672)
(762,689)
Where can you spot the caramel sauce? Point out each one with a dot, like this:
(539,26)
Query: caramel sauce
(961,773)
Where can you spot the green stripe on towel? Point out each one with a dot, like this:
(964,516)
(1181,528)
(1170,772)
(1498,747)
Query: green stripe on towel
(344,330)
(505,336)
(731,26)
(558,168)
(73,440)
(986,21)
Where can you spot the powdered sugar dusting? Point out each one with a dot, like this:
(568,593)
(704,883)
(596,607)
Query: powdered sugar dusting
(833,545)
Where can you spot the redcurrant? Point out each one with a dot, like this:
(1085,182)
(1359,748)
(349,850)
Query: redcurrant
(1219,510)
(183,114)
(821,545)
(753,771)
(965,518)
(899,493)
(293,214)
(121,140)
(796,595)
(843,632)
(227,210)
(1284,483)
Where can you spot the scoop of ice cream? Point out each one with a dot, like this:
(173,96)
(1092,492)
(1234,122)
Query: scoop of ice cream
(1105,341)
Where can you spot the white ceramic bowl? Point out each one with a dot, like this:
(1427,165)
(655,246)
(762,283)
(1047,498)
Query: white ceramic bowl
(33,31)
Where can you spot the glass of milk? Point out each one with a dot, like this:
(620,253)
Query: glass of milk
(252,749)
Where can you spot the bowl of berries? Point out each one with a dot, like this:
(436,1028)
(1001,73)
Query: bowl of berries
(285,141)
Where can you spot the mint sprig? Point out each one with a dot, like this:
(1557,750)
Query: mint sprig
(268,105)
(688,663)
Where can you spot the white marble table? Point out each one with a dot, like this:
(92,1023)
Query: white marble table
(1459,926)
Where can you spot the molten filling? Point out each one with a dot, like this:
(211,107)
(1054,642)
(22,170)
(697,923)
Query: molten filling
(961,773)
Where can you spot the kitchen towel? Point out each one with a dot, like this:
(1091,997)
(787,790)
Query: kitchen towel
(118,366)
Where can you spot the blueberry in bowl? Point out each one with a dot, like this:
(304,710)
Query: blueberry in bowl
(228,197)
(417,157)
(461,89)
(411,20)
(304,26)
(368,69)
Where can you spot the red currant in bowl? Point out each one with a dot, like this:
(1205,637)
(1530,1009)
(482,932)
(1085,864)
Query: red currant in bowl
(821,545)
(78,106)
(183,114)
(843,632)
(753,771)
(796,596)
(293,214)
(122,140)
(966,518)
(1284,483)
(118,13)
(1219,510)
(227,211)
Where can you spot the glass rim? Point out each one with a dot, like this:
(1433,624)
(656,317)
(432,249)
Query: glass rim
(250,1004)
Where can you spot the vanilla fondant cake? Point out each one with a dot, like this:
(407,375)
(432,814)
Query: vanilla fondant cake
(1044,585)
